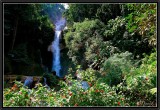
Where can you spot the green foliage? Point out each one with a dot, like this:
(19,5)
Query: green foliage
(108,11)
(98,95)
(80,31)
(153,91)
(146,70)
(117,33)
(97,51)
(85,41)
(143,79)
(18,98)
(122,60)
(89,75)
(33,27)
(78,12)
(113,27)
(24,13)
(143,21)
(116,67)
(51,79)
(139,89)
(21,61)
(20,54)
(103,12)
(113,74)
(79,35)
(103,41)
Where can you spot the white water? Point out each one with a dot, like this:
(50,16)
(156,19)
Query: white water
(56,66)
(56,53)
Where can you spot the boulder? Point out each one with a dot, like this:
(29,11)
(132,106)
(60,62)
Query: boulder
(28,82)
(85,85)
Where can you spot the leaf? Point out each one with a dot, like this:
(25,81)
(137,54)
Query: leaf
(78,66)
(133,28)
(153,91)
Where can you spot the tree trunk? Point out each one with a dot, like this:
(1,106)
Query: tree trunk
(14,32)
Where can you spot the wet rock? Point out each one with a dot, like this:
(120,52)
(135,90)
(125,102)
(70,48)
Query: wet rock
(85,85)
(28,82)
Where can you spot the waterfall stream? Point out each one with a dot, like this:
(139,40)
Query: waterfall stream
(56,66)
(56,53)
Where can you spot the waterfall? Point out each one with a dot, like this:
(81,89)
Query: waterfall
(56,66)
(56,53)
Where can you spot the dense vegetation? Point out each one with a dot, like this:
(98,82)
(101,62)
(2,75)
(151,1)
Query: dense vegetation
(110,46)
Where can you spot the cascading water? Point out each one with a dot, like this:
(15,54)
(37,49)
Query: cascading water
(56,54)
(60,24)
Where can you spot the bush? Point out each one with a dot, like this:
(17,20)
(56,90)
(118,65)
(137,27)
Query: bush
(141,81)
(147,71)
(89,75)
(51,79)
(116,67)
(98,95)
(79,36)
(97,51)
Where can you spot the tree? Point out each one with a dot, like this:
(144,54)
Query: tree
(143,20)
(78,12)
(26,24)
(18,13)
(85,43)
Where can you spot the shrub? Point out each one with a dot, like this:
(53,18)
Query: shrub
(51,79)
(141,81)
(147,71)
(98,95)
(89,75)
(116,67)
(78,37)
